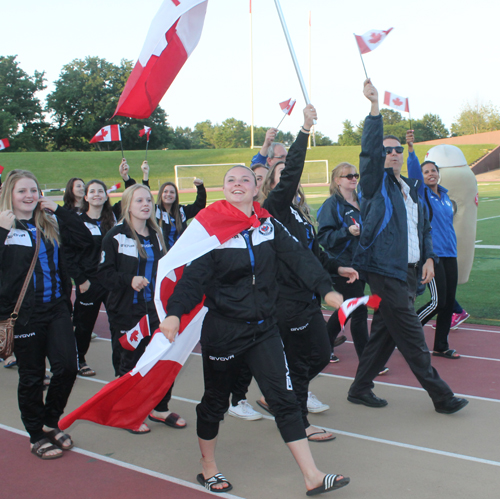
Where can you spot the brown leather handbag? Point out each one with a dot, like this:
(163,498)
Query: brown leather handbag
(7,325)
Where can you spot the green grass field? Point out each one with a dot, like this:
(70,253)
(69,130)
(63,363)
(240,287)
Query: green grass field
(54,169)
(479,296)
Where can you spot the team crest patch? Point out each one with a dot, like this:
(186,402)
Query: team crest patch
(266,229)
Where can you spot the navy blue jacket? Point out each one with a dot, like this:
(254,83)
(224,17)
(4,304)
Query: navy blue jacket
(335,217)
(383,244)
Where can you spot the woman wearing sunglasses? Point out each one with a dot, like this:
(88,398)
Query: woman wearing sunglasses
(339,229)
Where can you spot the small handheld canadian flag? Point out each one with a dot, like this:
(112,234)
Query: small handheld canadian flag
(4,143)
(108,133)
(114,188)
(353,303)
(371,40)
(396,102)
(130,340)
(145,131)
(287,106)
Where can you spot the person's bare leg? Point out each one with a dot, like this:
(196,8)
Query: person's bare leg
(209,467)
(302,454)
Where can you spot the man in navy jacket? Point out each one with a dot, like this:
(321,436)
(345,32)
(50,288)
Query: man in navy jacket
(394,250)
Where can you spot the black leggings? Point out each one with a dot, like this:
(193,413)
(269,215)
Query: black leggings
(443,289)
(49,333)
(86,311)
(267,363)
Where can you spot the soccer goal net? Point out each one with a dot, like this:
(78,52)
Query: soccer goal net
(315,172)
(211,174)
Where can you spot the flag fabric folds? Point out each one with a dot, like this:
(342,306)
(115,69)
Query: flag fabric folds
(352,304)
(145,131)
(173,35)
(108,133)
(126,401)
(287,106)
(371,40)
(396,102)
(4,143)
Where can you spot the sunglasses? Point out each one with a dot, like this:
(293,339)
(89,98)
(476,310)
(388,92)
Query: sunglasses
(350,176)
(398,149)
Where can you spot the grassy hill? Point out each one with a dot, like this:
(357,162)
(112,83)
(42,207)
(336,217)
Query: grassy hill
(54,169)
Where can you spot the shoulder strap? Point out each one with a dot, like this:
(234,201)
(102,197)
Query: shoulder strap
(28,278)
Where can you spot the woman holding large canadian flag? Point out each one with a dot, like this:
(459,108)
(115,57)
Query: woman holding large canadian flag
(238,278)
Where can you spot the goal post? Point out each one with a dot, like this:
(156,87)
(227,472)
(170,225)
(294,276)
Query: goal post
(212,174)
(315,172)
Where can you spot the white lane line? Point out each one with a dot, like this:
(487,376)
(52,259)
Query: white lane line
(488,200)
(128,466)
(486,246)
(480,241)
(489,218)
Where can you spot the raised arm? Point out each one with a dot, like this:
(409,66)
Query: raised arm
(282,196)
(372,157)
(191,210)
(413,164)
(261,156)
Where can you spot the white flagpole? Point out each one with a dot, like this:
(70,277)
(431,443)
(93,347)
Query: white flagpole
(310,83)
(251,78)
(292,53)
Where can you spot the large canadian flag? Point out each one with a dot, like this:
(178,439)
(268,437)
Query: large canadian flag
(126,401)
(396,102)
(371,40)
(172,37)
(4,143)
(108,133)
(352,304)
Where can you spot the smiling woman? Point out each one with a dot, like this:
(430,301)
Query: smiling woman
(43,330)
(130,254)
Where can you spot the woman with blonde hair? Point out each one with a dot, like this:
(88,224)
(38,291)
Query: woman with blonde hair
(43,328)
(339,229)
(130,254)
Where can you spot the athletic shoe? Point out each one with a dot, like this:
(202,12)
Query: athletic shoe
(457,319)
(334,358)
(385,370)
(315,405)
(93,336)
(244,411)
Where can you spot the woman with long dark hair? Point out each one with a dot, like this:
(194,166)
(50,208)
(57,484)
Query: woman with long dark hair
(172,217)
(73,194)
(443,286)
(43,328)
(83,259)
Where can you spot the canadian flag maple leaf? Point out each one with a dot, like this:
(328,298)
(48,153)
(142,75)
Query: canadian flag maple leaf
(397,101)
(375,38)
(102,134)
(134,336)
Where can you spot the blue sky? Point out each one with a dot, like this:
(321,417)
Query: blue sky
(440,54)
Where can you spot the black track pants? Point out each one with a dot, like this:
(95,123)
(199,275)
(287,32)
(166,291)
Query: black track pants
(48,334)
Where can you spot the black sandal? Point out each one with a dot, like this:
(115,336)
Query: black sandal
(214,480)
(59,442)
(39,451)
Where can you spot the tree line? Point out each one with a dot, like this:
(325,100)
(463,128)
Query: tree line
(87,92)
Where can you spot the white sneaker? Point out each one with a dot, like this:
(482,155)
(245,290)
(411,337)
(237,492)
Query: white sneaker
(315,405)
(244,411)
(93,336)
